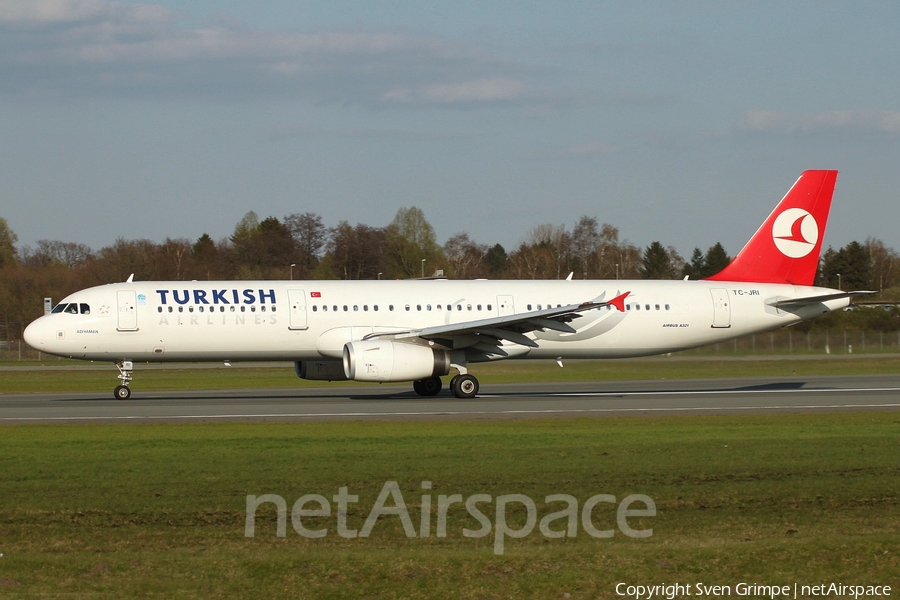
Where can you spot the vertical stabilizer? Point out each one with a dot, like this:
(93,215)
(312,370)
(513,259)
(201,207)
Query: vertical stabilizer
(786,248)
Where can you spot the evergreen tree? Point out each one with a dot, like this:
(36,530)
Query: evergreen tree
(849,268)
(8,241)
(656,263)
(697,266)
(496,259)
(715,260)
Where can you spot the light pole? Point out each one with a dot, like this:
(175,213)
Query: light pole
(379,276)
(423,268)
(839,281)
(617,271)
(292,270)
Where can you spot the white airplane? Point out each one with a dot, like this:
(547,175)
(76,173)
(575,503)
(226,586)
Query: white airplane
(421,330)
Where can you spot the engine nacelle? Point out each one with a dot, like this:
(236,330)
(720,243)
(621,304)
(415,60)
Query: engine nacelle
(321,370)
(387,360)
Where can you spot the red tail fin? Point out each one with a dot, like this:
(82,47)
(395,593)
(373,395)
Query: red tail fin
(786,248)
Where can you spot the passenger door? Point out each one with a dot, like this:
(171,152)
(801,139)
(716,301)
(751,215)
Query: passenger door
(297,302)
(721,308)
(127,310)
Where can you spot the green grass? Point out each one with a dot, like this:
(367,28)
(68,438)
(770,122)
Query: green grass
(85,377)
(159,510)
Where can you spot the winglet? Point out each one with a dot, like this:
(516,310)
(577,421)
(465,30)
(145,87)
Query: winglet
(619,301)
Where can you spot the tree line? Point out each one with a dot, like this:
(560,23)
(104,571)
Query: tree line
(301,246)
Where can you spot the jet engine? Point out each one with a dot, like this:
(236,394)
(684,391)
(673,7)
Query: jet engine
(387,360)
(321,370)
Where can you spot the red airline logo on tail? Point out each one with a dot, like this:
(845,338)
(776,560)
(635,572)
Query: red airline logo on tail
(795,232)
(785,249)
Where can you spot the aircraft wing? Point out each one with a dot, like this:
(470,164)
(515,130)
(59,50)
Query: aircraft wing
(487,335)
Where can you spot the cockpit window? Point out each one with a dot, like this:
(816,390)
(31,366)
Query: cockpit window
(72,308)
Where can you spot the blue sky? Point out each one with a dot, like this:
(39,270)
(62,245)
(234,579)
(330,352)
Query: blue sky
(682,122)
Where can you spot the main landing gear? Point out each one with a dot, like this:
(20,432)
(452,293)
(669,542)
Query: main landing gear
(462,386)
(123,392)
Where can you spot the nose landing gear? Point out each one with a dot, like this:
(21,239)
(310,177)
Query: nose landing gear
(123,392)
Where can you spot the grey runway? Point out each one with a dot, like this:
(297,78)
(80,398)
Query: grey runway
(395,402)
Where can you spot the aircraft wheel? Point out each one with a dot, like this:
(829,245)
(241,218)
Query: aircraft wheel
(464,386)
(430,386)
(122,392)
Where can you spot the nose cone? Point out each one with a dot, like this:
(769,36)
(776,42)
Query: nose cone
(36,334)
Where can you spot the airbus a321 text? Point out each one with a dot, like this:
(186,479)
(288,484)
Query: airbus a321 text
(422,330)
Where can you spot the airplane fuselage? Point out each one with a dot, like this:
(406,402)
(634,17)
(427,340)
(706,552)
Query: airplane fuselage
(308,320)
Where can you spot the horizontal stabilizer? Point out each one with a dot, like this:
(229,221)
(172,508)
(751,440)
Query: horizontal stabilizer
(815,299)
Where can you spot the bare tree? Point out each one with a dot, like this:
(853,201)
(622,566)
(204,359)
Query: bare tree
(465,258)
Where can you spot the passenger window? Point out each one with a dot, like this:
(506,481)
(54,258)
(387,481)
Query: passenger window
(489,307)
(315,308)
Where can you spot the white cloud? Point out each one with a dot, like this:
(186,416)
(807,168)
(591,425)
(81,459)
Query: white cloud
(70,48)
(788,123)
(477,90)
(581,150)
(35,12)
